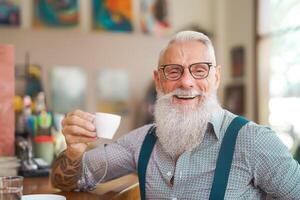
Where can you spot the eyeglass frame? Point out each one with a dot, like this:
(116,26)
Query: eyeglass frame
(209,64)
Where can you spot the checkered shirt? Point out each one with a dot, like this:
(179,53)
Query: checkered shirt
(261,164)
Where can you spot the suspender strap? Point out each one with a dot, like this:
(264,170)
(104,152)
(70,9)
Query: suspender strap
(144,157)
(225,159)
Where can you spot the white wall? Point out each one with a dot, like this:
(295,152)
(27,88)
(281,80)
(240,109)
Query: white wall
(192,12)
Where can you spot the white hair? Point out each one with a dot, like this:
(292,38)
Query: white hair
(185,36)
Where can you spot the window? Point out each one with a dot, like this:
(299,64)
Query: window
(279,66)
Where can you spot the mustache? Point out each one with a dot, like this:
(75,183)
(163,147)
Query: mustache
(180,92)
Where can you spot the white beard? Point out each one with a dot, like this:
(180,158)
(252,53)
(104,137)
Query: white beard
(181,128)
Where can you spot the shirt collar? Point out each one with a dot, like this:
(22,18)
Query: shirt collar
(216,121)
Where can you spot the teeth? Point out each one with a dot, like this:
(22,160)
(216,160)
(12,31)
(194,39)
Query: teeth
(185,97)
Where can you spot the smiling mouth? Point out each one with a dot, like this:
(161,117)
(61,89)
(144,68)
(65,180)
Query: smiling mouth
(186,97)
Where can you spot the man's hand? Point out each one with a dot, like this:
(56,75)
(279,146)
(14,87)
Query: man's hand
(78,130)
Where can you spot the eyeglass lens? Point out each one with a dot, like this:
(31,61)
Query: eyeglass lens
(198,71)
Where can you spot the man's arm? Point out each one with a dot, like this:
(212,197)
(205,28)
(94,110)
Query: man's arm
(66,171)
(78,130)
(275,171)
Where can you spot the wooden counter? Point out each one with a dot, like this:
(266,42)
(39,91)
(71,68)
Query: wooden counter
(42,185)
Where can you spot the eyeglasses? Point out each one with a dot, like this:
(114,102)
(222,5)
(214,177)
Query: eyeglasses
(174,72)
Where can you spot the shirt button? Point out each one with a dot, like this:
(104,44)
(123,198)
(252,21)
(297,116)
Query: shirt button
(169,173)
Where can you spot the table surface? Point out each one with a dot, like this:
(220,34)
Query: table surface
(42,185)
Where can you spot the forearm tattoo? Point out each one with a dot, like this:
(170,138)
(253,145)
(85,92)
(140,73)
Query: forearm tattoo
(66,172)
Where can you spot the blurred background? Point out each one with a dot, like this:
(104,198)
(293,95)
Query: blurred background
(99,55)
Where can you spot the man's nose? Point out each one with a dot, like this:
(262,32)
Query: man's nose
(187,80)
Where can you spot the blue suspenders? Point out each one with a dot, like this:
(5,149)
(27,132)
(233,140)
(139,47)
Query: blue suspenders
(225,159)
(144,157)
(223,165)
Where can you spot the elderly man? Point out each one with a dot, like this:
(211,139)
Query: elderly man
(194,150)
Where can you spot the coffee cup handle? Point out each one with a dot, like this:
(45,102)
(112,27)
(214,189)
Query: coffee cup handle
(94,123)
(94,119)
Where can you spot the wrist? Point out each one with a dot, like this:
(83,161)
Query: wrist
(73,153)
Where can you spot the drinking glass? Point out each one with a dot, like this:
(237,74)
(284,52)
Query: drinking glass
(11,187)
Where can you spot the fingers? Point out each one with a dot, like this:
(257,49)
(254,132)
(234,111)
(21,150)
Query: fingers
(78,131)
(82,114)
(73,139)
(78,127)
(74,120)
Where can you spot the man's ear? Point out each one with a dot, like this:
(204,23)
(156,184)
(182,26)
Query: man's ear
(156,79)
(217,75)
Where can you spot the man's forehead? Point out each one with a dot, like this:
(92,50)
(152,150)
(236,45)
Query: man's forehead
(179,51)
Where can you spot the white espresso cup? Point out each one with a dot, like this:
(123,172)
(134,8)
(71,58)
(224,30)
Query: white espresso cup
(106,124)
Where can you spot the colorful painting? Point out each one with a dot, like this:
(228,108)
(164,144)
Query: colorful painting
(113,15)
(10,12)
(154,17)
(56,13)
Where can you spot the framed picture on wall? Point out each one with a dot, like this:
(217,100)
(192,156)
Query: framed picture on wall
(237,61)
(68,88)
(62,14)
(155,17)
(235,99)
(112,15)
(113,99)
(9,13)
